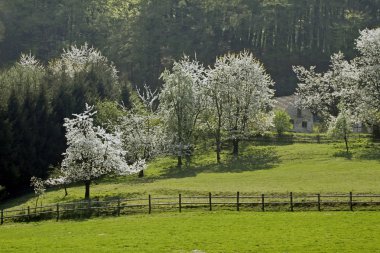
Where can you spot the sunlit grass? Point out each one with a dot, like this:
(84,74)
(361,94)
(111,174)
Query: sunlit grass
(206,232)
(306,168)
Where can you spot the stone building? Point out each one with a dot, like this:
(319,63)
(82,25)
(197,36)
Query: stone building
(302,119)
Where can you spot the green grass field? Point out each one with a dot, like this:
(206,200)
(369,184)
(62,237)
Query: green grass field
(305,168)
(205,232)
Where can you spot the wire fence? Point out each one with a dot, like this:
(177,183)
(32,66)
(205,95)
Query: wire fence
(264,202)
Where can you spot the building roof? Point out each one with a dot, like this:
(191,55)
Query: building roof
(285,102)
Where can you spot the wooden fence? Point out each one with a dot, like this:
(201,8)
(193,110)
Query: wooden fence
(286,202)
(305,138)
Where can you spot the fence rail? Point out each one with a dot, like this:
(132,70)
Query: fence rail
(305,138)
(264,202)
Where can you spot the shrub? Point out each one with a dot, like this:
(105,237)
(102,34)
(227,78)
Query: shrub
(281,122)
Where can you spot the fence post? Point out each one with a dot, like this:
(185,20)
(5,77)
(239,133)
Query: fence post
(262,203)
(118,206)
(2,217)
(351,209)
(237,201)
(291,201)
(150,204)
(319,202)
(57,211)
(209,201)
(180,202)
(28,213)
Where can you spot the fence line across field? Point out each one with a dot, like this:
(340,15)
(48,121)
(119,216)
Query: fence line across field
(306,138)
(263,202)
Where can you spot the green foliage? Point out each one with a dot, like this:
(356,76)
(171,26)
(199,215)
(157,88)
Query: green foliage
(319,128)
(25,76)
(144,37)
(341,127)
(6,173)
(281,122)
(108,113)
(35,100)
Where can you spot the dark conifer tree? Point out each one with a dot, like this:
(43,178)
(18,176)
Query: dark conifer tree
(7,173)
(12,177)
(62,107)
(43,133)
(27,149)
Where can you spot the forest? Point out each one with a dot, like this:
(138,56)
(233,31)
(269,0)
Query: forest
(143,37)
(50,69)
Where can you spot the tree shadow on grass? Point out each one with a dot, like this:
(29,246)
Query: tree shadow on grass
(276,140)
(369,153)
(257,159)
(343,154)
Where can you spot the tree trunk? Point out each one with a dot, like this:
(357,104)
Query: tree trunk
(179,163)
(87,193)
(218,150)
(66,193)
(218,139)
(346,142)
(35,208)
(235,143)
(376,132)
(179,155)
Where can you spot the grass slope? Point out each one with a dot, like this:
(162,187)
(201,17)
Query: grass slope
(307,168)
(205,232)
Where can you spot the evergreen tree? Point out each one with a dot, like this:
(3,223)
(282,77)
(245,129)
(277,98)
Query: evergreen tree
(27,149)
(13,116)
(43,133)
(7,173)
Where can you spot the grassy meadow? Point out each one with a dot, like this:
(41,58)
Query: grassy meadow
(302,168)
(201,232)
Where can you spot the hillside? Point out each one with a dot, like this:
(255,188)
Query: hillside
(300,167)
(162,126)
(144,37)
(279,168)
(56,56)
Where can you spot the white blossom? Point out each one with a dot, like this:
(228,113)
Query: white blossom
(143,135)
(57,181)
(340,127)
(149,98)
(354,85)
(368,64)
(29,61)
(240,96)
(181,101)
(38,186)
(92,152)
(323,92)
(78,59)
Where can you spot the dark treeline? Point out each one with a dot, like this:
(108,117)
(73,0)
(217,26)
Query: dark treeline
(34,101)
(143,37)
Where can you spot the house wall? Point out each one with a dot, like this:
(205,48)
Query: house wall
(302,120)
(303,117)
